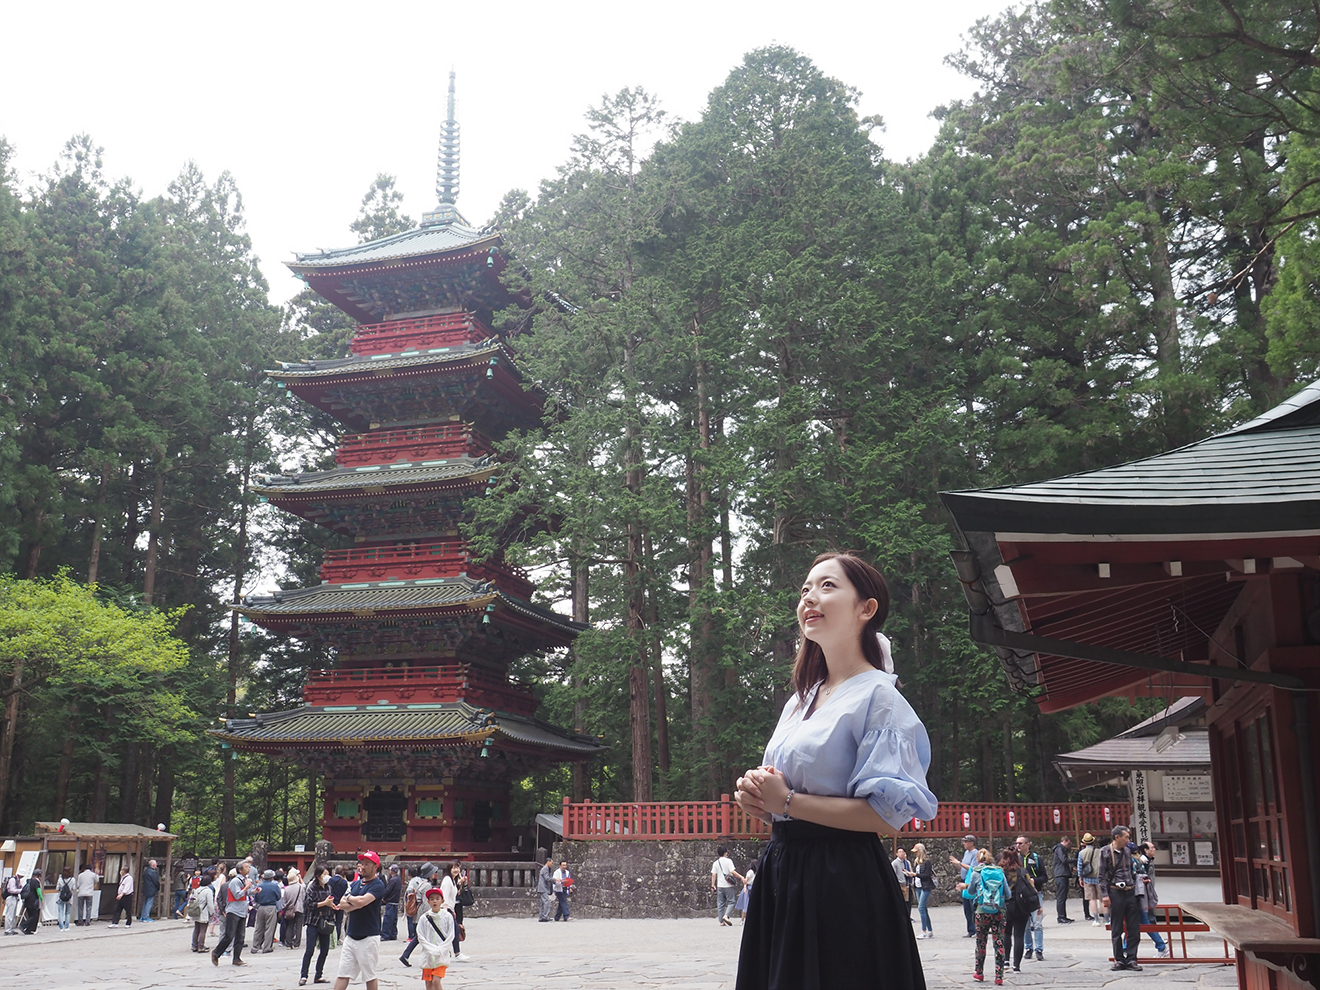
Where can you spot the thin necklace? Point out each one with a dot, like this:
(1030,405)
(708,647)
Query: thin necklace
(826,692)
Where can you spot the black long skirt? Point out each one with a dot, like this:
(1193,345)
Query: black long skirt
(826,913)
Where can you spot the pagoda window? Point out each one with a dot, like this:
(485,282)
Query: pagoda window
(429,808)
(346,809)
(481,815)
(385,813)
(460,809)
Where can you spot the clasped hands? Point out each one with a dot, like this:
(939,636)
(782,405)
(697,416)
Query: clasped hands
(761,792)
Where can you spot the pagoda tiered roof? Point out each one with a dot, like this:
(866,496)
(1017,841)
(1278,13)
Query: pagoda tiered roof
(454,620)
(475,382)
(434,267)
(419,598)
(366,738)
(448,471)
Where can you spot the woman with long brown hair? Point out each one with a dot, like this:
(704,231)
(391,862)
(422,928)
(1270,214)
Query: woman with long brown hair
(848,756)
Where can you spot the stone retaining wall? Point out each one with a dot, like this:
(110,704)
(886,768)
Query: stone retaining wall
(671,879)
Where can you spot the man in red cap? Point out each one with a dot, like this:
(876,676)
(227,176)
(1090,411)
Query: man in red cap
(361,946)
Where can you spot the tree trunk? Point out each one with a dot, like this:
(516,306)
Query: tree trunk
(987,766)
(130,773)
(313,811)
(10,733)
(153,537)
(34,551)
(66,763)
(98,527)
(100,787)
(639,693)
(164,788)
(1010,769)
(579,783)
(228,822)
(658,667)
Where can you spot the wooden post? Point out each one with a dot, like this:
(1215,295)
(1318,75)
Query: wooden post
(166,884)
(568,830)
(725,816)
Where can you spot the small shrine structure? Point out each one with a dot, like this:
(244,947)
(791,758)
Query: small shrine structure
(1192,573)
(417,732)
(1163,764)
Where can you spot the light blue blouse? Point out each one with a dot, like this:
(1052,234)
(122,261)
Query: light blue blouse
(865,741)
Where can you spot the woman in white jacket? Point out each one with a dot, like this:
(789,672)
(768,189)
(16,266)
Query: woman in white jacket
(435,931)
(204,900)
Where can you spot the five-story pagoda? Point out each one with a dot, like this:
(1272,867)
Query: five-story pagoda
(417,731)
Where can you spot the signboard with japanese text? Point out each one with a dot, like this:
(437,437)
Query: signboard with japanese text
(1140,806)
(1186,789)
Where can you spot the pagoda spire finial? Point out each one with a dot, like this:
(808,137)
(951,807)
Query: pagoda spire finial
(446,174)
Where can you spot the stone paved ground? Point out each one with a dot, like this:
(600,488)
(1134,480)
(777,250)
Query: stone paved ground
(520,954)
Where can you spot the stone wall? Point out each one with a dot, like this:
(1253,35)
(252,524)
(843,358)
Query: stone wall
(671,879)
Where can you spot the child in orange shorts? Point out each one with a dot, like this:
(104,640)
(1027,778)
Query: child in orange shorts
(435,937)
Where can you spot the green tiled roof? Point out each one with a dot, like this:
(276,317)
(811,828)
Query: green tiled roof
(1262,477)
(410,244)
(458,353)
(450,723)
(373,476)
(386,596)
(350,597)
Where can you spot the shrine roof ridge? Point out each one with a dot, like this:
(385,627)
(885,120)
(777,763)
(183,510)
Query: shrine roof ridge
(386,596)
(1203,487)
(455,722)
(416,243)
(376,475)
(1140,752)
(343,597)
(373,362)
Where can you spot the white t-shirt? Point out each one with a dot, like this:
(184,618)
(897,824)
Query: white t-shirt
(721,869)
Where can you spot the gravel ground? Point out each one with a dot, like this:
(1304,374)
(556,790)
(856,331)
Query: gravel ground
(597,954)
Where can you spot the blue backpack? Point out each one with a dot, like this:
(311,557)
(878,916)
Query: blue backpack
(990,890)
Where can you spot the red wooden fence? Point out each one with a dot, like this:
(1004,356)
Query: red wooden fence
(724,819)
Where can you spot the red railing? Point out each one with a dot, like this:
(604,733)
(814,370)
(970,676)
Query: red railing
(417,685)
(423,333)
(420,444)
(410,561)
(691,819)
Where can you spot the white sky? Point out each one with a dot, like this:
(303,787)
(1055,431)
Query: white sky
(306,103)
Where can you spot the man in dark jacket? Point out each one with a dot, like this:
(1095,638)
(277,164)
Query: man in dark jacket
(1061,870)
(31,898)
(389,925)
(150,888)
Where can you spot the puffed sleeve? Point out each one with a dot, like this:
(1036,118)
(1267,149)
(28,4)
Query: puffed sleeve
(892,760)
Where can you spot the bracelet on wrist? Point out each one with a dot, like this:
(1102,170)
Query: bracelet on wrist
(787,800)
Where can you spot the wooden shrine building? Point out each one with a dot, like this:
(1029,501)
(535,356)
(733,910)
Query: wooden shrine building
(1163,764)
(1192,573)
(418,731)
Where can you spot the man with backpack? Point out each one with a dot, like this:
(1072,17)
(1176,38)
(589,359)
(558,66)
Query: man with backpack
(1061,868)
(414,903)
(31,903)
(236,911)
(13,891)
(1087,861)
(720,872)
(65,888)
